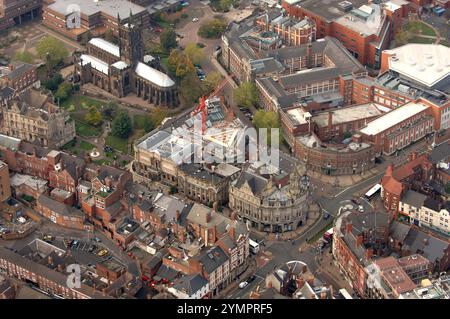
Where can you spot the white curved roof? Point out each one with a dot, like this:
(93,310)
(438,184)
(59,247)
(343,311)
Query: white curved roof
(425,63)
(153,75)
(106,46)
(97,64)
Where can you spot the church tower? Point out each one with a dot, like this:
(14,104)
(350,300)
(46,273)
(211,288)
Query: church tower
(130,40)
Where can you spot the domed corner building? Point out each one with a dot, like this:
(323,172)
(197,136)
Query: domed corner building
(275,204)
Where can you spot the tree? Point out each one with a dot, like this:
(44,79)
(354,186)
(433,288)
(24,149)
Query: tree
(184,67)
(109,111)
(246,94)
(447,188)
(168,40)
(64,91)
(25,56)
(194,53)
(225,5)
(53,82)
(212,29)
(266,119)
(173,60)
(401,38)
(51,50)
(191,88)
(121,125)
(93,116)
(148,124)
(212,80)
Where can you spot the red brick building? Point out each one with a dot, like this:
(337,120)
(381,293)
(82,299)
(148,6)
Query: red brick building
(21,76)
(61,214)
(399,128)
(364,29)
(396,181)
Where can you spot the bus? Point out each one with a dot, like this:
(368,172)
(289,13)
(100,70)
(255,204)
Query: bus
(254,246)
(344,293)
(328,236)
(373,191)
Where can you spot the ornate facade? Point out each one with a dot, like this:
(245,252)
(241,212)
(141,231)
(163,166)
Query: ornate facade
(269,206)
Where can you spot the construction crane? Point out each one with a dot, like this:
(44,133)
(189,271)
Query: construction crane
(202,105)
(201,108)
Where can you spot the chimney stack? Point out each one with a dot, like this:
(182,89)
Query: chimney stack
(232,232)
(412,156)
(330,120)
(349,228)
(177,214)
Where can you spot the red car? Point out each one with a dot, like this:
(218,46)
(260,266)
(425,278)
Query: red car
(145,278)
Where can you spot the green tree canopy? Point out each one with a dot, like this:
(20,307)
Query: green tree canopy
(184,67)
(266,119)
(212,80)
(191,89)
(64,91)
(51,50)
(53,82)
(93,116)
(194,53)
(168,40)
(212,29)
(246,94)
(25,56)
(121,125)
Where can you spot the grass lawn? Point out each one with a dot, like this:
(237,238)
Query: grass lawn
(421,40)
(102,162)
(86,130)
(422,27)
(321,232)
(82,102)
(117,143)
(139,121)
(86,146)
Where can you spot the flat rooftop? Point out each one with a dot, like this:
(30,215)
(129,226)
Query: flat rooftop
(30,181)
(113,8)
(366,20)
(392,118)
(329,9)
(427,64)
(348,114)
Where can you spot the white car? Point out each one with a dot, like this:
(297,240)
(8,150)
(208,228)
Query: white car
(195,20)
(243,284)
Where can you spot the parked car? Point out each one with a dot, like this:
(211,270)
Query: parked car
(48,238)
(361,208)
(243,284)
(96,239)
(102,253)
(326,216)
(75,244)
(251,278)
(92,248)
(195,20)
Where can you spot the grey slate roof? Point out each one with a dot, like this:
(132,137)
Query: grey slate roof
(6,93)
(414,198)
(440,153)
(19,70)
(190,284)
(58,207)
(212,259)
(256,183)
(428,246)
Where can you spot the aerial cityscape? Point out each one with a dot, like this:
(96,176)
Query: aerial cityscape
(225,149)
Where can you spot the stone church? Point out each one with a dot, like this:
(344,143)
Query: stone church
(123,68)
